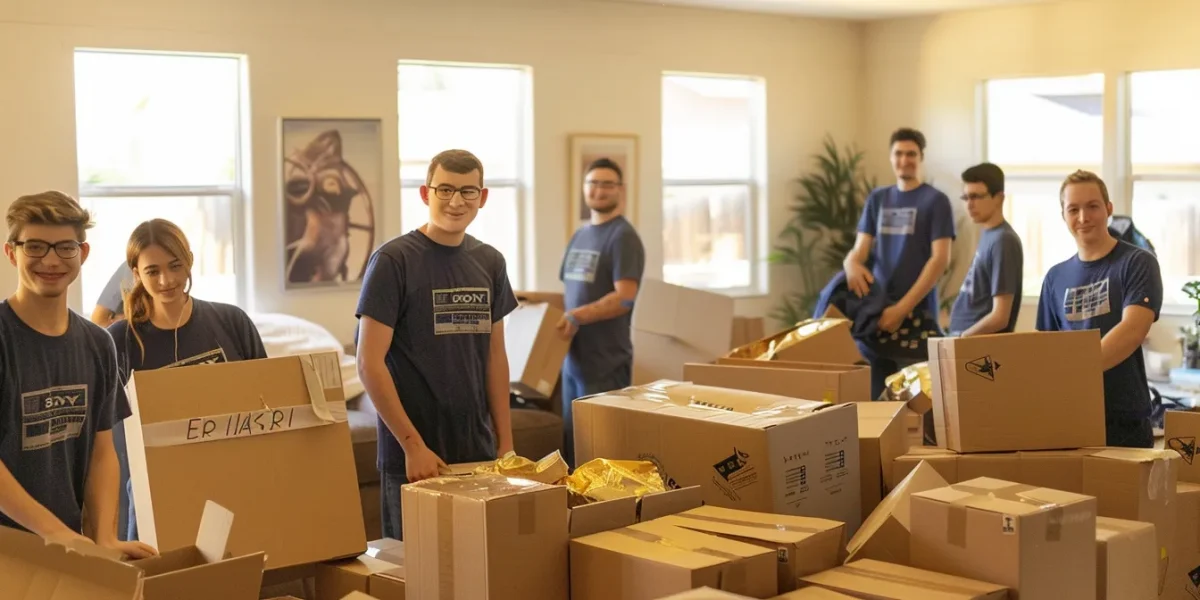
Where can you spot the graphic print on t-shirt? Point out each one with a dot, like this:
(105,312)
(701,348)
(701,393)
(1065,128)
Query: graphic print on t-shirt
(52,415)
(581,266)
(462,310)
(897,221)
(1087,301)
(214,356)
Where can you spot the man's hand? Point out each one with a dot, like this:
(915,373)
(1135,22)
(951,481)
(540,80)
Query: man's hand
(566,327)
(422,463)
(892,318)
(504,448)
(859,279)
(131,550)
(69,538)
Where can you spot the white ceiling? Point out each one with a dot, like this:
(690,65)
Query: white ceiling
(845,9)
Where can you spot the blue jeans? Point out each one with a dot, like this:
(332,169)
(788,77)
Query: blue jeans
(389,509)
(575,387)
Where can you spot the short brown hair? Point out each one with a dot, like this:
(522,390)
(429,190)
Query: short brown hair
(1082,176)
(47,208)
(455,161)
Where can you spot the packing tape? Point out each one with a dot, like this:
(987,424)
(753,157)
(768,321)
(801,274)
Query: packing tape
(732,577)
(242,424)
(740,523)
(445,546)
(526,514)
(956,516)
(907,580)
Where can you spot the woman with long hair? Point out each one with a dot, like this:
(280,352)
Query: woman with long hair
(165,326)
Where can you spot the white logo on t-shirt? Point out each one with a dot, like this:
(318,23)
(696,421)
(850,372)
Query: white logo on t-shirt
(52,415)
(216,355)
(581,266)
(897,221)
(1087,301)
(462,310)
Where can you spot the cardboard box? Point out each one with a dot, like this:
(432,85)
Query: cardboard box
(486,537)
(885,533)
(1056,469)
(705,593)
(813,593)
(535,349)
(1181,429)
(33,569)
(382,579)
(1126,559)
(881,438)
(1183,576)
(883,581)
(807,381)
(1014,391)
(653,559)
(746,330)
(554,299)
(803,546)
(1039,542)
(824,340)
(745,450)
(595,517)
(665,331)
(267,439)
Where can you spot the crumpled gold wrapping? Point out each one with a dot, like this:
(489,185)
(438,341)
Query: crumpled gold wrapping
(766,349)
(550,470)
(908,383)
(603,479)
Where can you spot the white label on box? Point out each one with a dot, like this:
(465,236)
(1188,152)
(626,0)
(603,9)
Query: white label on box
(239,425)
(1008,525)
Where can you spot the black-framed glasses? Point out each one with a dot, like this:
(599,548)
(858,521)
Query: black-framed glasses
(604,185)
(966,197)
(39,248)
(469,193)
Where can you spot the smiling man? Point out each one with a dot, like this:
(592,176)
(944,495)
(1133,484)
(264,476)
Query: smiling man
(59,387)
(989,300)
(431,338)
(1111,286)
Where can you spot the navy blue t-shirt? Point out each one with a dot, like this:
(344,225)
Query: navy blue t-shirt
(905,225)
(441,302)
(1080,294)
(996,270)
(56,393)
(597,257)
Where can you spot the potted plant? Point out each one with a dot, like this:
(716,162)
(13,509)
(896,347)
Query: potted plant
(1190,338)
(821,231)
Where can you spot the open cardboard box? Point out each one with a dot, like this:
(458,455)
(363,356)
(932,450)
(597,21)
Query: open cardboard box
(33,569)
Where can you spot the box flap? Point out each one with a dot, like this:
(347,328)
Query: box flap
(994,495)
(478,486)
(874,578)
(40,570)
(1137,455)
(663,543)
(387,550)
(603,516)
(669,502)
(896,506)
(738,408)
(673,311)
(779,529)
(875,417)
(213,536)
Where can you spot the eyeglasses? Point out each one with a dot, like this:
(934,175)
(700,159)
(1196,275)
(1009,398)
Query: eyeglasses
(966,197)
(469,193)
(604,185)
(39,248)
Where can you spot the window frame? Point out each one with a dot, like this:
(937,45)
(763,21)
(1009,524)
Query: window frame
(524,119)
(756,219)
(234,191)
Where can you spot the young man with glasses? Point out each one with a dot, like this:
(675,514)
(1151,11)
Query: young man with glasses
(431,339)
(990,297)
(59,389)
(601,272)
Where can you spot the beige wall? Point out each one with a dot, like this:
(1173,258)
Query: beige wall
(596,68)
(924,72)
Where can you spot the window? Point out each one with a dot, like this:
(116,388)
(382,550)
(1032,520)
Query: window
(158,136)
(1039,131)
(481,108)
(713,160)
(1164,153)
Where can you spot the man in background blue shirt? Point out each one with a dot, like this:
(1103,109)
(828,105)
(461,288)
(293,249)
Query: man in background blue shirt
(1111,286)
(990,297)
(906,230)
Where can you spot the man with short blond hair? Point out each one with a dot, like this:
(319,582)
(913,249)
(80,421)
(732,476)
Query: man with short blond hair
(59,388)
(1111,286)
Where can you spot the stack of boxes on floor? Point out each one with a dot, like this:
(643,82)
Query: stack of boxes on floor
(761,472)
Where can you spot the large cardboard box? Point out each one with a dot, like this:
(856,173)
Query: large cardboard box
(802,545)
(808,381)
(1181,429)
(33,569)
(881,438)
(1183,576)
(885,533)
(667,329)
(1056,469)
(1037,541)
(1016,391)
(268,439)
(824,340)
(485,537)
(745,450)
(746,330)
(884,581)
(379,572)
(535,349)
(650,560)
(1126,559)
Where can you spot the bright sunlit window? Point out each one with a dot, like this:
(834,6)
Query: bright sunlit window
(1039,131)
(158,136)
(1165,155)
(713,156)
(481,108)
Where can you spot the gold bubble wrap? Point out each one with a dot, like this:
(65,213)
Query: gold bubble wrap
(603,479)
(767,349)
(908,383)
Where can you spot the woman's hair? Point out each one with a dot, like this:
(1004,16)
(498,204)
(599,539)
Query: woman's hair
(139,306)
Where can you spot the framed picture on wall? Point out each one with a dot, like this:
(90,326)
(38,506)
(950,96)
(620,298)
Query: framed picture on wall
(583,148)
(331,177)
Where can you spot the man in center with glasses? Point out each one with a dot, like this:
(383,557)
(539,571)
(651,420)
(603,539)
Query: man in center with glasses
(431,339)
(601,272)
